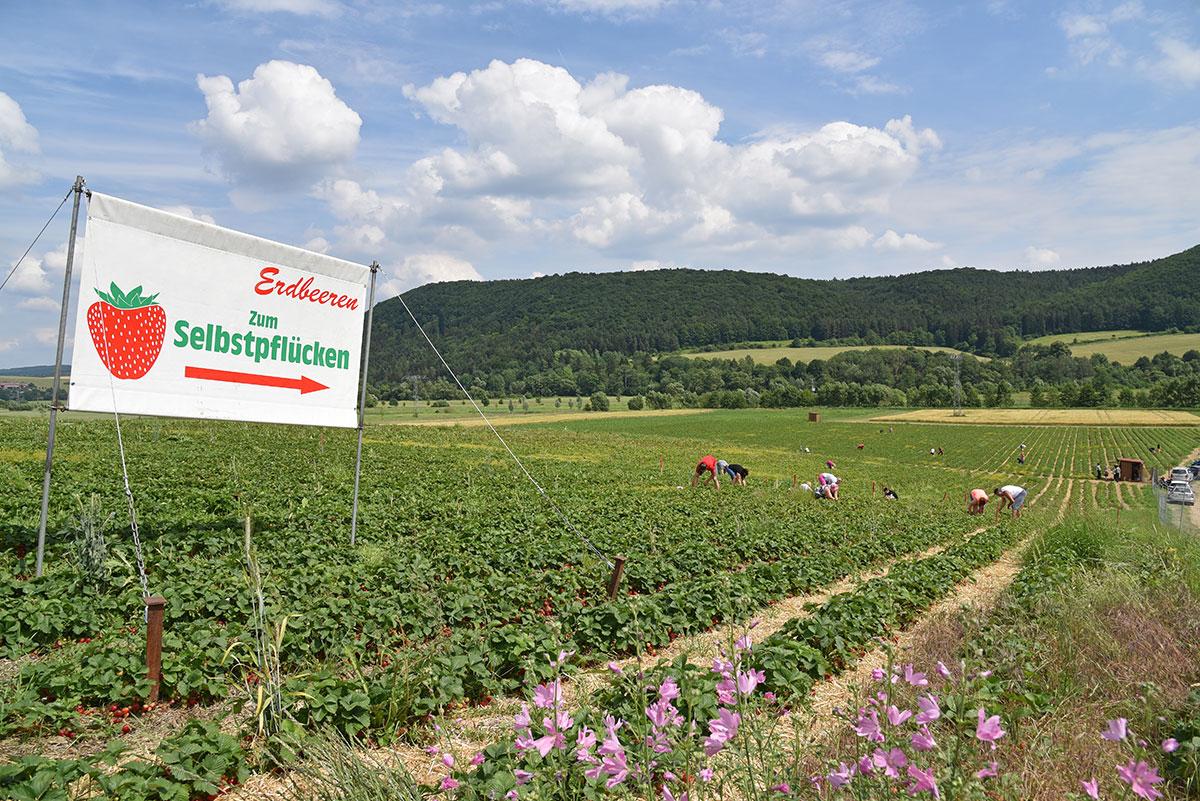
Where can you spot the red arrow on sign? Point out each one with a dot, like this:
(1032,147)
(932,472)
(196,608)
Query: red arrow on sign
(303,383)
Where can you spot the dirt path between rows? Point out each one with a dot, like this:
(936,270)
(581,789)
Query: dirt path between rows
(980,591)
(475,728)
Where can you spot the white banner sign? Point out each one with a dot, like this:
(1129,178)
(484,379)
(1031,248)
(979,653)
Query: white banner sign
(185,319)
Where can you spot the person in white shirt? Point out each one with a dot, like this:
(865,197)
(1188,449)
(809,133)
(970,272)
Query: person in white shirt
(830,482)
(1010,495)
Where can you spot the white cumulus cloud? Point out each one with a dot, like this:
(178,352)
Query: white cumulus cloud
(39,274)
(283,127)
(603,165)
(427,268)
(1041,257)
(39,304)
(890,240)
(16,135)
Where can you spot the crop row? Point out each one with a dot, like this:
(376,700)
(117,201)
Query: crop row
(812,647)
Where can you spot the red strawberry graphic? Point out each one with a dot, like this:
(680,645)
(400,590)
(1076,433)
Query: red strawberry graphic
(127,330)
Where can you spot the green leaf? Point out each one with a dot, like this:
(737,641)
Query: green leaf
(126,300)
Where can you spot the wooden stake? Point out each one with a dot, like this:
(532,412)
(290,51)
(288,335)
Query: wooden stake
(872,489)
(793,480)
(154,631)
(614,581)
(945,495)
(660,465)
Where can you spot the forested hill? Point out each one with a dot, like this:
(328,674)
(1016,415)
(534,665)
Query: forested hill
(520,324)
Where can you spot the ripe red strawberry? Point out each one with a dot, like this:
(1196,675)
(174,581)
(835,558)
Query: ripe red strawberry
(127,330)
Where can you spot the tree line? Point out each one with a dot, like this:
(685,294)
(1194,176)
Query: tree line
(869,378)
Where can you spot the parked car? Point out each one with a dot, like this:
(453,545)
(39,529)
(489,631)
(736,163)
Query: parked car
(1180,492)
(1195,468)
(1181,474)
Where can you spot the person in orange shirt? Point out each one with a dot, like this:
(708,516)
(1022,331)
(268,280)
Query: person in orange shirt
(707,464)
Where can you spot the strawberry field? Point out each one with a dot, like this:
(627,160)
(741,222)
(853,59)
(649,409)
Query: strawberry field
(464,586)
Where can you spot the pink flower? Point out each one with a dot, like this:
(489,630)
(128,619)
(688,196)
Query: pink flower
(616,768)
(658,742)
(922,781)
(988,729)
(662,713)
(877,674)
(523,742)
(743,643)
(987,772)
(865,766)
(448,783)
(521,720)
(922,740)
(897,717)
(1141,778)
(721,730)
(722,667)
(547,696)
(563,656)
(1092,788)
(522,776)
(890,761)
(913,678)
(546,744)
(478,759)
(943,671)
(726,692)
(512,795)
(928,704)
(1170,745)
(669,796)
(705,775)
(668,691)
(840,777)
(1116,731)
(448,760)
(868,726)
(782,788)
(746,682)
(615,668)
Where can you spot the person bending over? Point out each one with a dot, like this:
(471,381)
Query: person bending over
(737,474)
(1012,496)
(830,482)
(976,500)
(707,464)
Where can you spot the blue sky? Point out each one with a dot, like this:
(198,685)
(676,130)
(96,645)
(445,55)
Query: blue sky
(510,139)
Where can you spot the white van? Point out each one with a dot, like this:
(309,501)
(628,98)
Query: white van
(1181,474)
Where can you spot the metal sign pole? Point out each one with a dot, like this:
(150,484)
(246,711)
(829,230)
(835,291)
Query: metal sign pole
(362,403)
(62,333)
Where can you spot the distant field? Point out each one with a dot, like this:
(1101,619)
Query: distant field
(772,355)
(1124,346)
(1048,417)
(38,380)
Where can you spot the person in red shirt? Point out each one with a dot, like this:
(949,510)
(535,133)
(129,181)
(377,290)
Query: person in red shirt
(707,464)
